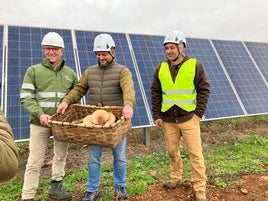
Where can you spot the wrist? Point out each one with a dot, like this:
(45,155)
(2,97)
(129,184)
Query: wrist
(127,103)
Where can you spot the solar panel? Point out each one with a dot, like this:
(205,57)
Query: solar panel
(247,80)
(24,50)
(223,102)
(237,71)
(85,40)
(149,52)
(259,52)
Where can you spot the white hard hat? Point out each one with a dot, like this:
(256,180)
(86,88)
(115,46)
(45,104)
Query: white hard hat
(53,39)
(176,37)
(103,42)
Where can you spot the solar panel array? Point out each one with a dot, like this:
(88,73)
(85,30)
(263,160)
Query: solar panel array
(237,70)
(223,100)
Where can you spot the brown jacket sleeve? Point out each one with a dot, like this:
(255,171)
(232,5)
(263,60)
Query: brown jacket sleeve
(202,87)
(9,156)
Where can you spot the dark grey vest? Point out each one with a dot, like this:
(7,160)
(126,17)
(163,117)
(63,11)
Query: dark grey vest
(104,85)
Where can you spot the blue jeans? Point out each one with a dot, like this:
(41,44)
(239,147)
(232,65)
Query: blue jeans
(94,166)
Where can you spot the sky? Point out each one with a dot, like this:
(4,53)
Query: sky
(238,20)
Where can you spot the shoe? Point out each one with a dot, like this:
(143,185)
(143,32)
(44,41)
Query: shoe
(57,192)
(172,183)
(200,196)
(120,193)
(91,196)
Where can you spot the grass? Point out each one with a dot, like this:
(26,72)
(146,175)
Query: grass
(228,163)
(225,166)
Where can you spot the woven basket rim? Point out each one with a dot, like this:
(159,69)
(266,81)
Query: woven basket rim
(105,136)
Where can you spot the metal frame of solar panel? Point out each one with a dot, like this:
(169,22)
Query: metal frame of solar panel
(236,70)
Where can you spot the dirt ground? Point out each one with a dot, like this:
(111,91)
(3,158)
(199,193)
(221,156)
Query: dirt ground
(251,187)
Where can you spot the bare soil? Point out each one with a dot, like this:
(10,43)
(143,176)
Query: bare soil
(214,133)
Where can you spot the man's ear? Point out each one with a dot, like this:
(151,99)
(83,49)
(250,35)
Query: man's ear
(181,47)
(113,52)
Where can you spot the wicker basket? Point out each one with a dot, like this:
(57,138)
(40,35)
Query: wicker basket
(104,136)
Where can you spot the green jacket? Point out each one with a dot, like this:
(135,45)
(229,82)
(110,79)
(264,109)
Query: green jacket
(9,156)
(44,87)
(110,85)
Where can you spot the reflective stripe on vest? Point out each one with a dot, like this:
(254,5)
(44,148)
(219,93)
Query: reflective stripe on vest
(181,93)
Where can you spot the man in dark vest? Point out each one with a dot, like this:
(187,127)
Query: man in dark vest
(110,84)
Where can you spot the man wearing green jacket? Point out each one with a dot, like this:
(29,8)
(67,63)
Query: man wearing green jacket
(43,87)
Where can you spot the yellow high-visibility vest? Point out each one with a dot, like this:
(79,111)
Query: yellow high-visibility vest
(181,93)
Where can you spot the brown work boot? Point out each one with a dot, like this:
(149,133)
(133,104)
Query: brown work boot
(200,196)
(172,183)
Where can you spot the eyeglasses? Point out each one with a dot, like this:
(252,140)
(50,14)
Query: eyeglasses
(53,49)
